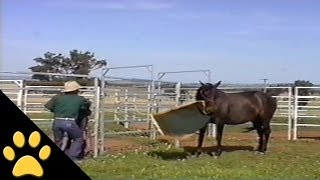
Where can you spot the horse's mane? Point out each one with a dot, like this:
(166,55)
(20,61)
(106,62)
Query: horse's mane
(199,97)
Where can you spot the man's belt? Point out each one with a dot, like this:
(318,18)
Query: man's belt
(66,119)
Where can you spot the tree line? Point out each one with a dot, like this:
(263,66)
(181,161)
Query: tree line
(84,63)
(77,62)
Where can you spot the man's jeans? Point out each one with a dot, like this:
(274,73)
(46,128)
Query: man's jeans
(74,132)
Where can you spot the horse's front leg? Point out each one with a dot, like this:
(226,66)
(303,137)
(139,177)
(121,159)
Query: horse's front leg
(219,131)
(202,132)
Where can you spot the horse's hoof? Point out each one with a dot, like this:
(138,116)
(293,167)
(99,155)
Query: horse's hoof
(260,153)
(196,155)
(218,153)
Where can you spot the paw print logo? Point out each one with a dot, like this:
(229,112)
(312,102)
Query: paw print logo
(27,165)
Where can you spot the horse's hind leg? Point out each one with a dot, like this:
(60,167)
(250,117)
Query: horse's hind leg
(258,126)
(266,132)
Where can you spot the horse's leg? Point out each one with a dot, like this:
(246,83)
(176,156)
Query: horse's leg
(266,132)
(202,132)
(258,126)
(220,126)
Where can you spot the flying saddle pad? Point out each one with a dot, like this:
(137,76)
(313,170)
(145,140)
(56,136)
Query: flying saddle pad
(180,121)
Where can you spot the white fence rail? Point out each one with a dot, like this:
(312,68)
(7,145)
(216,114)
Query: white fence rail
(291,112)
(13,89)
(31,100)
(306,109)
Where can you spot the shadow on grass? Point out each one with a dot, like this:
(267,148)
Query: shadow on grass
(309,137)
(212,149)
(169,155)
(189,151)
(225,148)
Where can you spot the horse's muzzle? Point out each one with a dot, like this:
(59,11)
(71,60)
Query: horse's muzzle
(205,112)
(203,108)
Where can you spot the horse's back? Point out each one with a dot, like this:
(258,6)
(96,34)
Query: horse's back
(264,103)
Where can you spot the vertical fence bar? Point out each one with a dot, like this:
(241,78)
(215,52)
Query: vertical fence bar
(178,96)
(151,107)
(151,103)
(117,108)
(102,115)
(178,93)
(134,101)
(25,101)
(96,116)
(289,113)
(295,122)
(20,95)
(126,115)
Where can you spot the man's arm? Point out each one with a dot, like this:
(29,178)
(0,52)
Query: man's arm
(50,104)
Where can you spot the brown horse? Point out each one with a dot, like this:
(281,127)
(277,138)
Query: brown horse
(234,109)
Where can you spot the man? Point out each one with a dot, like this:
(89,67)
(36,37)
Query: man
(82,122)
(66,108)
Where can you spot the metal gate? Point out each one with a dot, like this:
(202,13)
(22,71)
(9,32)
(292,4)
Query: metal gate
(306,109)
(126,105)
(31,99)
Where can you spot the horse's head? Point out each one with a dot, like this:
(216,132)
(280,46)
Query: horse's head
(207,93)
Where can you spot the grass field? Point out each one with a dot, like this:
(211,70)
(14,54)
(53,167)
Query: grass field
(141,158)
(158,159)
(147,159)
(284,160)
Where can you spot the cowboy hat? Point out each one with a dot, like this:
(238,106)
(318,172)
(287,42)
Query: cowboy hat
(71,86)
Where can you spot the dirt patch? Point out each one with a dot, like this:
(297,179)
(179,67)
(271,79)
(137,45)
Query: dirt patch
(124,145)
(115,146)
(139,126)
(121,146)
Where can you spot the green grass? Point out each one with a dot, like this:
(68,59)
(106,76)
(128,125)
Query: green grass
(285,160)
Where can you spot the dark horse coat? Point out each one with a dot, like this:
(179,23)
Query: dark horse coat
(236,108)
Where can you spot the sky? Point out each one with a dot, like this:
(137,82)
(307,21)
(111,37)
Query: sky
(239,41)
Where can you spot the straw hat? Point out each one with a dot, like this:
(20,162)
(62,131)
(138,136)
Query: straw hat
(71,86)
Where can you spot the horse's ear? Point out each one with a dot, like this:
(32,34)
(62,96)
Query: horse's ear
(217,84)
(201,83)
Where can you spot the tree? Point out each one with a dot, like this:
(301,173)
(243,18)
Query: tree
(297,83)
(303,91)
(77,63)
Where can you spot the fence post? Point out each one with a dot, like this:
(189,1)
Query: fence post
(102,115)
(117,108)
(178,96)
(126,115)
(25,101)
(151,100)
(96,116)
(134,101)
(20,94)
(178,93)
(289,113)
(295,122)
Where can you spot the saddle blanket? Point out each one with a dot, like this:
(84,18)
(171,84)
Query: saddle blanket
(181,121)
